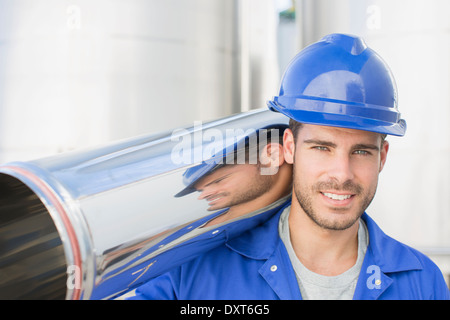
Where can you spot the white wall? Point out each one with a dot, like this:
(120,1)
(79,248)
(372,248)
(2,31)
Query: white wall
(80,73)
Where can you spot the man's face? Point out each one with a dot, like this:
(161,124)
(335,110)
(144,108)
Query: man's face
(335,172)
(233,185)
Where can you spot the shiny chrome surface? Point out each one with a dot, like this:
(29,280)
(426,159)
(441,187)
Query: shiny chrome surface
(113,207)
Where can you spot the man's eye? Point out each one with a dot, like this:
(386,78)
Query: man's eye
(219,180)
(362,152)
(320,148)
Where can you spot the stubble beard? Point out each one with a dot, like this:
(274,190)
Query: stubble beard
(304,198)
(260,185)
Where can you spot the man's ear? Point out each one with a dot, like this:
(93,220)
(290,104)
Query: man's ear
(271,158)
(272,154)
(288,146)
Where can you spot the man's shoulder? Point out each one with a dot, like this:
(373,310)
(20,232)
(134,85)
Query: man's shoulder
(394,254)
(424,260)
(405,263)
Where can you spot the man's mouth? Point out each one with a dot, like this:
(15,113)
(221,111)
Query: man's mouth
(214,198)
(339,197)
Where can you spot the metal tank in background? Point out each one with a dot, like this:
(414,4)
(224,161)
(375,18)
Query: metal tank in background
(412,202)
(80,73)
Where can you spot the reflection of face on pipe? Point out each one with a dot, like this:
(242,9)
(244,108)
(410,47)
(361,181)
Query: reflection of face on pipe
(238,184)
(233,185)
(241,178)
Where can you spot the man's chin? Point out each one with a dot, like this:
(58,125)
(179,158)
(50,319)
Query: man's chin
(215,208)
(336,220)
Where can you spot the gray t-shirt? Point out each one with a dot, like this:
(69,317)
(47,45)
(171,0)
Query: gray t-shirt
(314,286)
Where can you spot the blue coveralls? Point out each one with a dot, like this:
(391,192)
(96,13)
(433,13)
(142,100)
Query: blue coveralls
(256,265)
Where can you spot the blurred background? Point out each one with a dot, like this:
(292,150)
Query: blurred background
(81,73)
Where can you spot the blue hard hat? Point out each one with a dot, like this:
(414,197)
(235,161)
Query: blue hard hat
(194,174)
(340,82)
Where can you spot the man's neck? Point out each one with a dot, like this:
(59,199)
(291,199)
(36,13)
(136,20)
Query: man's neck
(323,251)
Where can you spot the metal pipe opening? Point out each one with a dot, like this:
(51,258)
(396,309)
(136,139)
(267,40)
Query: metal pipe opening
(32,260)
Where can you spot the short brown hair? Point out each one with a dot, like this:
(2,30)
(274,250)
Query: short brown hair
(295,127)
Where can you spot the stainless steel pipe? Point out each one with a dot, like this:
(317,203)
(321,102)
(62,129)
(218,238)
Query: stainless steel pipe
(96,223)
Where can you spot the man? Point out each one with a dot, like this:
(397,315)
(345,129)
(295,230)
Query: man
(341,99)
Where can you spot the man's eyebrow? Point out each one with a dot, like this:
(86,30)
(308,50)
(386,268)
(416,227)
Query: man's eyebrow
(218,179)
(320,143)
(359,146)
(366,147)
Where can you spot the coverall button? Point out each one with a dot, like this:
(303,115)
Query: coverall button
(273,268)
(215,231)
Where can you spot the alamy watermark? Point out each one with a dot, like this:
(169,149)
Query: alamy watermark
(374,280)
(74,277)
(231,146)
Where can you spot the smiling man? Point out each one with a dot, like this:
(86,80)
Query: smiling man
(341,99)
(336,173)
(335,179)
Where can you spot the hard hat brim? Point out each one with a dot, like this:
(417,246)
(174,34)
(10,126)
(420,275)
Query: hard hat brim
(322,118)
(204,171)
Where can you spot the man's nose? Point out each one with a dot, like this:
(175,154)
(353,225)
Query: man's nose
(204,193)
(341,169)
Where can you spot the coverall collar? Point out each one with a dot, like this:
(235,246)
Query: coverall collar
(388,254)
(259,243)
